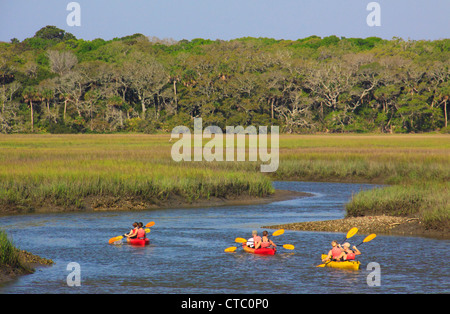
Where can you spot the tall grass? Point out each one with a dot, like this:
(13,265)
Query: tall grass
(8,253)
(429,200)
(64,170)
(417,168)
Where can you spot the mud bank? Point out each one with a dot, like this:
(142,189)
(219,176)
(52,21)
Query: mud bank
(388,225)
(110,203)
(29,262)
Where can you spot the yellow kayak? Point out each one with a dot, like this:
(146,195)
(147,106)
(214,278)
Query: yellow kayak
(351,265)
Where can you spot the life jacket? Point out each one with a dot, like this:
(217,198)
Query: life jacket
(131,232)
(141,233)
(350,256)
(265,244)
(335,252)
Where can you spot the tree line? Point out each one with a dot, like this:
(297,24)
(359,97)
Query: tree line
(54,82)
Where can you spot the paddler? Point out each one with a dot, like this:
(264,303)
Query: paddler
(335,253)
(348,254)
(255,239)
(133,232)
(140,231)
(265,241)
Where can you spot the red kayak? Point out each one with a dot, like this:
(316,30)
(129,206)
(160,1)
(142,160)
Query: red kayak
(139,242)
(262,251)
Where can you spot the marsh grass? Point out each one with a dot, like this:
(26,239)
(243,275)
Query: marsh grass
(428,200)
(8,253)
(417,168)
(64,170)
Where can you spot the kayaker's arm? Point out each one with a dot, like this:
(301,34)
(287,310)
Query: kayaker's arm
(357,252)
(132,233)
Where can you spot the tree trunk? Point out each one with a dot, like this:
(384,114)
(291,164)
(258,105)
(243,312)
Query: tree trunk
(32,116)
(445,112)
(143,109)
(175,93)
(65,109)
(273,100)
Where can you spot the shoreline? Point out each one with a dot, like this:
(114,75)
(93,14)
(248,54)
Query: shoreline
(383,225)
(111,203)
(29,262)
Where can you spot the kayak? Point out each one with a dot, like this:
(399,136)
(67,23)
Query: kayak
(139,242)
(351,265)
(261,251)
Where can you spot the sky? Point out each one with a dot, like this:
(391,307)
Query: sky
(229,19)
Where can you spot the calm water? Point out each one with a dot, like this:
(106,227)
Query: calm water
(186,254)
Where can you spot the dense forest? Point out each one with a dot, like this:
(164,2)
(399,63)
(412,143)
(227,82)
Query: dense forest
(56,83)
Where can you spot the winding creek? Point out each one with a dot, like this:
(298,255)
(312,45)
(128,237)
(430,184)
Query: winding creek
(186,254)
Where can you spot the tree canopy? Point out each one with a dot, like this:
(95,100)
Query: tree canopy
(54,82)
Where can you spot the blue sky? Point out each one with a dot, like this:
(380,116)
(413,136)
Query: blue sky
(228,19)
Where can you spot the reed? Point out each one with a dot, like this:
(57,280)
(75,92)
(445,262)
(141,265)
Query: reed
(8,253)
(64,170)
(428,200)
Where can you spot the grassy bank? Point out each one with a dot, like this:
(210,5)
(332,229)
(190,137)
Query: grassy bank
(88,171)
(9,256)
(15,262)
(39,171)
(416,167)
(427,200)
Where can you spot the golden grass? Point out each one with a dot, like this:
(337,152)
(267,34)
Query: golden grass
(65,169)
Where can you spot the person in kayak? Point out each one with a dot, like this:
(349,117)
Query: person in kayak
(254,240)
(265,241)
(133,232)
(348,254)
(140,231)
(335,253)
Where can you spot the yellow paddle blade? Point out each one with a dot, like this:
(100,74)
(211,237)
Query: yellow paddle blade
(352,232)
(240,240)
(112,240)
(147,230)
(321,265)
(150,224)
(278,232)
(289,246)
(230,249)
(370,237)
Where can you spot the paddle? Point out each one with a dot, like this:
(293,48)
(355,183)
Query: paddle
(278,232)
(118,238)
(350,234)
(370,237)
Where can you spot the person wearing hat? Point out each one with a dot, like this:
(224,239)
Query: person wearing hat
(347,253)
(254,240)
